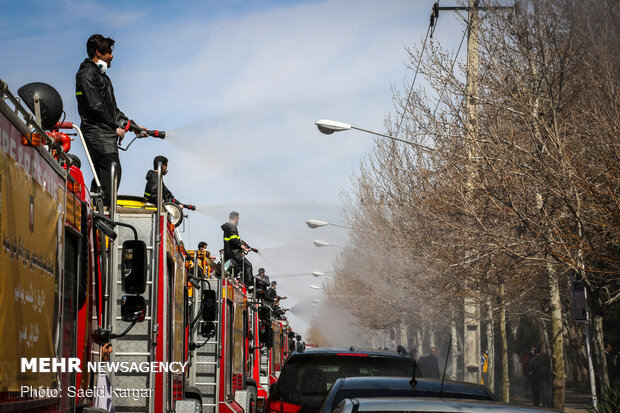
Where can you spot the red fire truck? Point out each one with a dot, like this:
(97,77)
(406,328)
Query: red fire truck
(76,276)
(228,345)
(47,287)
(62,294)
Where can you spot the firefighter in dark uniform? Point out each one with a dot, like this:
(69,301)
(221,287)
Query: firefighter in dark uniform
(150,190)
(235,249)
(103,124)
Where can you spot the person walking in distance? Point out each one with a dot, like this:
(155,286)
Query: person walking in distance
(540,371)
(429,364)
(611,363)
(103,123)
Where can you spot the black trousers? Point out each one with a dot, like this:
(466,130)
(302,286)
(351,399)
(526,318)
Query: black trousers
(103,167)
(247,276)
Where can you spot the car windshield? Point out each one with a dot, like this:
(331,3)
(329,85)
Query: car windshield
(306,380)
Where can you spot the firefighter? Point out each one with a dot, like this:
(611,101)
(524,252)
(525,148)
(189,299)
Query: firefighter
(235,250)
(272,295)
(201,255)
(102,121)
(150,190)
(262,284)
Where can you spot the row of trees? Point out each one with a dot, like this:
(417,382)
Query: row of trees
(512,203)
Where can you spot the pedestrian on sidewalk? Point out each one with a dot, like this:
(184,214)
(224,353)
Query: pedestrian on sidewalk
(540,370)
(610,355)
(532,377)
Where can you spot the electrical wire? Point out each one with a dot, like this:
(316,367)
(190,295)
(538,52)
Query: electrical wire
(402,117)
(451,70)
(430,30)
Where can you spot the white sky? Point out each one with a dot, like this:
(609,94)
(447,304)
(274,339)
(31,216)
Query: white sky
(238,86)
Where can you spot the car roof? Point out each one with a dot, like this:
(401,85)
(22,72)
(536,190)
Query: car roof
(423,385)
(434,405)
(312,351)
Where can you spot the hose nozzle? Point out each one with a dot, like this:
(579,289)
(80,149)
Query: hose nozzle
(157,134)
(133,126)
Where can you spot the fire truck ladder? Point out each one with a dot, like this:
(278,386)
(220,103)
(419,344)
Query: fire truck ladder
(137,346)
(205,360)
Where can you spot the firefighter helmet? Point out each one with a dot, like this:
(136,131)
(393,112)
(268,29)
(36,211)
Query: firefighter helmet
(50,102)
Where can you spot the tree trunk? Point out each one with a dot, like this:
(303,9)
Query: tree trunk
(419,339)
(431,338)
(490,348)
(454,346)
(602,379)
(403,335)
(504,339)
(557,339)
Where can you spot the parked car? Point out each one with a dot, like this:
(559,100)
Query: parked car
(404,387)
(415,405)
(307,376)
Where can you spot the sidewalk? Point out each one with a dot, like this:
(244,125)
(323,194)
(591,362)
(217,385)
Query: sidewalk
(575,400)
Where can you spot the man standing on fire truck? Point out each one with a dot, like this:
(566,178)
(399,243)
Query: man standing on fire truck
(103,123)
(235,249)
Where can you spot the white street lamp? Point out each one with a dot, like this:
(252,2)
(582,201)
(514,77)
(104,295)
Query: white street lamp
(328,127)
(315,223)
(318,243)
(321,274)
(315,287)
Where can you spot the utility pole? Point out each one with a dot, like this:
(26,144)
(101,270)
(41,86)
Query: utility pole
(471,305)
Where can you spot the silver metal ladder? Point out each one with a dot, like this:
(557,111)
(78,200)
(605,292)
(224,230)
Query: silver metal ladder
(205,360)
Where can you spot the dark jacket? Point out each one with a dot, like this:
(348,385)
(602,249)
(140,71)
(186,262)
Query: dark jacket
(540,367)
(150,190)
(272,296)
(98,110)
(232,242)
(429,365)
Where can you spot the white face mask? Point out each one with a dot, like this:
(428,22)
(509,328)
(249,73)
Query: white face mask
(102,65)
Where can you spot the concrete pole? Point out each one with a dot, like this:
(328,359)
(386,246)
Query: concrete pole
(471,344)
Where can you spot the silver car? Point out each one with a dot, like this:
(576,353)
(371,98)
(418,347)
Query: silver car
(413,405)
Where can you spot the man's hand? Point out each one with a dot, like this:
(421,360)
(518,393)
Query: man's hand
(121,133)
(144,134)
(181,205)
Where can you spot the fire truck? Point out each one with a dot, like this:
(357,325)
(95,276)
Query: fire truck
(76,275)
(230,347)
(47,288)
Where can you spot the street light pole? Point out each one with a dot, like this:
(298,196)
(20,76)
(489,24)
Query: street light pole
(315,223)
(319,243)
(320,274)
(328,127)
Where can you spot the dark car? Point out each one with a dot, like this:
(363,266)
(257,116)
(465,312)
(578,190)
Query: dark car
(307,376)
(376,387)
